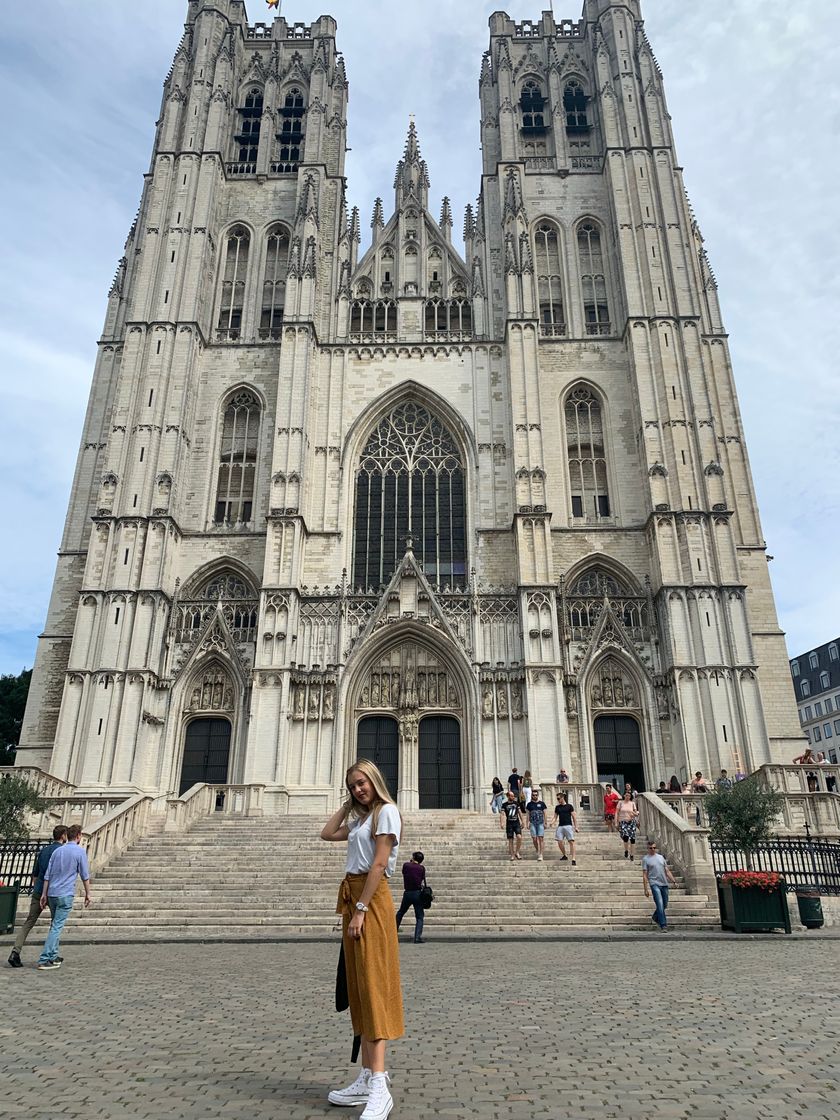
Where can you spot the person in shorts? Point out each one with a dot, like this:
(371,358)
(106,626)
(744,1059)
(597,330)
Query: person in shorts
(567,825)
(536,810)
(513,825)
(611,800)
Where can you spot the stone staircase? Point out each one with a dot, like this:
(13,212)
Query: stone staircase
(234,878)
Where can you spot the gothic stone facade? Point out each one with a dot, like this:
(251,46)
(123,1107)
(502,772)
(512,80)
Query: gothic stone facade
(457,513)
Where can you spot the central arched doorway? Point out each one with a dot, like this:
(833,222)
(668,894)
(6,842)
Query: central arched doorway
(378,740)
(206,753)
(440,763)
(618,751)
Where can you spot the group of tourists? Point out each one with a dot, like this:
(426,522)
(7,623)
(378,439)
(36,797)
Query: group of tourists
(516,814)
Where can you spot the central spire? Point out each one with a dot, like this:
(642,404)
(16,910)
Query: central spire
(412,177)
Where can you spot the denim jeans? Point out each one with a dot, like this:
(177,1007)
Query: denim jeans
(60,907)
(496,803)
(412,898)
(660,900)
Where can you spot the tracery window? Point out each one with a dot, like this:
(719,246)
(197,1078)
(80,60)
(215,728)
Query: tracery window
(373,317)
(238,460)
(596,310)
(410,482)
(291,135)
(274,283)
(532,104)
(233,284)
(574,106)
(598,582)
(550,281)
(448,316)
(248,136)
(586,454)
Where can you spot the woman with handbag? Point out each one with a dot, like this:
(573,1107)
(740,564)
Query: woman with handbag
(627,819)
(414,879)
(370,823)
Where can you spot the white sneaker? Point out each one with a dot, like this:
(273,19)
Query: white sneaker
(380,1102)
(357,1093)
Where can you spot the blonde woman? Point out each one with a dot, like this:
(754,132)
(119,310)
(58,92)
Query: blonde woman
(370,823)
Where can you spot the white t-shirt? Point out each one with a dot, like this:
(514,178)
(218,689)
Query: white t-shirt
(361,846)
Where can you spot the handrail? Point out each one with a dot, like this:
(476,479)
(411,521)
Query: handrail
(815,777)
(683,843)
(182,811)
(118,830)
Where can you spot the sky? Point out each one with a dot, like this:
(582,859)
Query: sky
(752,91)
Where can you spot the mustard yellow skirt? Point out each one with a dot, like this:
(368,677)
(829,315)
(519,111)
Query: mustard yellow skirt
(372,962)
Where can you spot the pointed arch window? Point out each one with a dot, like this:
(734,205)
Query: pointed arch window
(586,456)
(448,318)
(596,312)
(233,284)
(532,104)
(248,135)
(274,283)
(550,281)
(236,478)
(410,482)
(574,106)
(292,132)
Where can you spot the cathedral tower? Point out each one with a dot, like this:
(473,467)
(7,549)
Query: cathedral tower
(454,513)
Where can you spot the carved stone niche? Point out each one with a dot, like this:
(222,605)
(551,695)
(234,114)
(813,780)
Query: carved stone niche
(612,688)
(409,677)
(213,691)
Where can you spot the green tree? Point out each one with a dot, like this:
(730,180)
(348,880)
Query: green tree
(13,693)
(744,816)
(17,798)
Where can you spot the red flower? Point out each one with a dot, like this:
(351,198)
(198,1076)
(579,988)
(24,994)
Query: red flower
(764,880)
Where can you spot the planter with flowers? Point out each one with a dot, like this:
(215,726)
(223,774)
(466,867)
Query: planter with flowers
(742,818)
(8,907)
(753,900)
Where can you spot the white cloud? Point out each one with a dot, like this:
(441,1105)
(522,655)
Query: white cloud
(756,114)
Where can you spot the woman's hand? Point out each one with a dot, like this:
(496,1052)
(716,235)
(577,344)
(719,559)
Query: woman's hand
(356,924)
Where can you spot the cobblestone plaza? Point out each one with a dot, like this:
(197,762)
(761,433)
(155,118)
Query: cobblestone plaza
(648,1027)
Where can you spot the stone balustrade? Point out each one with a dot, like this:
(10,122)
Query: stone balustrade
(47,785)
(202,800)
(680,839)
(117,831)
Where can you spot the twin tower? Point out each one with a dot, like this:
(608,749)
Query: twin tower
(451,510)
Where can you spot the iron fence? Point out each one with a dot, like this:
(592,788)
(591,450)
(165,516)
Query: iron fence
(803,862)
(17,862)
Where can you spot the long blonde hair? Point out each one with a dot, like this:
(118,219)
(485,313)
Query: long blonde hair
(380,788)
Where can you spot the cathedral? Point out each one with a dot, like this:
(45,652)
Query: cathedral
(454,510)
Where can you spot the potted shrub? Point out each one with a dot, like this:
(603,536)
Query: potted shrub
(742,818)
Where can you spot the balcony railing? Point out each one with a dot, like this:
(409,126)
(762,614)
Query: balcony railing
(239,170)
(553,330)
(599,328)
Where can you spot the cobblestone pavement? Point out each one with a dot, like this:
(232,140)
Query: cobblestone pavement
(640,1030)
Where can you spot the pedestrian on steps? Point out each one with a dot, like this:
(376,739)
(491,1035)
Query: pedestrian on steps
(35,909)
(513,825)
(536,810)
(564,811)
(414,878)
(611,800)
(627,819)
(370,823)
(657,878)
(497,797)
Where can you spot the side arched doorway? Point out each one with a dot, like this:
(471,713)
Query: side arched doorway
(378,739)
(440,763)
(618,751)
(206,753)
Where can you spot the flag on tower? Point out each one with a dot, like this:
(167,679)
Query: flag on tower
(273,3)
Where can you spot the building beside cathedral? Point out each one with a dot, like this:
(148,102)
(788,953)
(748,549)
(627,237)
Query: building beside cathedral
(453,511)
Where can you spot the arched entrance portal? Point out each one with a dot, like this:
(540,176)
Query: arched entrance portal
(440,763)
(206,753)
(378,739)
(618,751)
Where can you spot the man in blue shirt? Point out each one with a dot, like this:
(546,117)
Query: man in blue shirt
(58,891)
(35,908)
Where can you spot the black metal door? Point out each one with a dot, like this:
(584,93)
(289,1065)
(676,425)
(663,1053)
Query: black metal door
(206,753)
(618,752)
(440,763)
(379,741)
